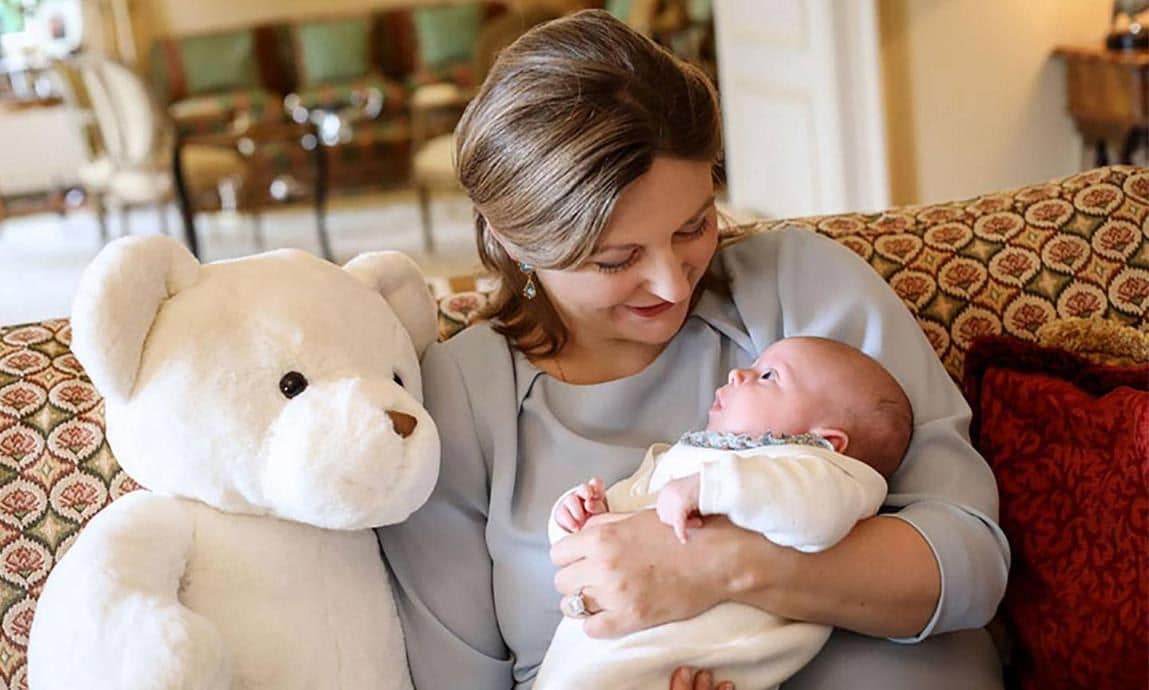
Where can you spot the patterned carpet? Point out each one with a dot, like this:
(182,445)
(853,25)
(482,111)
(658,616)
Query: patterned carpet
(42,256)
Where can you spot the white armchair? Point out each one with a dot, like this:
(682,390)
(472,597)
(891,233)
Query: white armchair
(131,159)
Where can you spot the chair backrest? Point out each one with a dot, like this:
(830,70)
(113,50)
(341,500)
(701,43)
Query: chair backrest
(70,82)
(125,114)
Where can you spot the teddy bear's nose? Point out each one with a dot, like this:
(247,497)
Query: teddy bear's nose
(404,423)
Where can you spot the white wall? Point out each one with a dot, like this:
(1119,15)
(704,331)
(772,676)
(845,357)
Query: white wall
(25,136)
(975,102)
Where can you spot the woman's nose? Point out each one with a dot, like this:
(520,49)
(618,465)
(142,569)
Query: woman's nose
(669,278)
(738,376)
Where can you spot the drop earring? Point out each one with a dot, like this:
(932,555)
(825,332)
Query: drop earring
(529,290)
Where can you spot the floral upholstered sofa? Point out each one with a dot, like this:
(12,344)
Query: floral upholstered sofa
(1035,299)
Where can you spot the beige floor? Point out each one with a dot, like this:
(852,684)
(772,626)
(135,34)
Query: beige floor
(42,257)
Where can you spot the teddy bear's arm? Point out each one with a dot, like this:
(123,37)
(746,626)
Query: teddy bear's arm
(110,614)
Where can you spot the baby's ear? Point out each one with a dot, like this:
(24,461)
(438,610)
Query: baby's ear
(837,438)
(119,296)
(397,277)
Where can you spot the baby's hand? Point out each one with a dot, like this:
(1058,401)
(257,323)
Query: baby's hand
(586,500)
(678,505)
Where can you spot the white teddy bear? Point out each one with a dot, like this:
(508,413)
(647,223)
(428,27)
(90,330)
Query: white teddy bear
(271,405)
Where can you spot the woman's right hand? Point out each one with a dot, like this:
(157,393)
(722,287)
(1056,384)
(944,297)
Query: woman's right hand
(687,678)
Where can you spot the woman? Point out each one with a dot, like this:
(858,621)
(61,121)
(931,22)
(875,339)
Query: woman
(591,158)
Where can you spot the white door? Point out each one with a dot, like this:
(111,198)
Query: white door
(802,103)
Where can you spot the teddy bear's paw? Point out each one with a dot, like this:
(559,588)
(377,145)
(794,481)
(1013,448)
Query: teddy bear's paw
(181,649)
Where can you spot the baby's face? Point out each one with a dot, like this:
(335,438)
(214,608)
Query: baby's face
(786,391)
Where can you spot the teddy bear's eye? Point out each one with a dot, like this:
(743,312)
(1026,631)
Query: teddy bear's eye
(398,380)
(292,384)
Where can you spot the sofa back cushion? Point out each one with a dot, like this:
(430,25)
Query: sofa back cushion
(1011,262)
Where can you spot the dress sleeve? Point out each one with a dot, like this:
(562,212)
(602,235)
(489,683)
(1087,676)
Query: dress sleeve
(441,568)
(796,282)
(807,501)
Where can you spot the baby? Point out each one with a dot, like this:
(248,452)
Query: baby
(797,448)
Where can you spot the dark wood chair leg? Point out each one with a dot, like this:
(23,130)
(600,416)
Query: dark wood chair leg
(321,200)
(183,199)
(1137,138)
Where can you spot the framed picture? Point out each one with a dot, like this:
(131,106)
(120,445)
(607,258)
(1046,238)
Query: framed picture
(59,26)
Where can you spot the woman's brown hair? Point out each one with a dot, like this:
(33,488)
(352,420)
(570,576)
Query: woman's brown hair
(570,114)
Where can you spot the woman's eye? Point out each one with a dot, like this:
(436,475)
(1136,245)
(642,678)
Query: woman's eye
(694,230)
(767,375)
(613,267)
(292,384)
(398,379)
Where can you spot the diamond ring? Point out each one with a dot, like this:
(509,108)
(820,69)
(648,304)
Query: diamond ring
(576,606)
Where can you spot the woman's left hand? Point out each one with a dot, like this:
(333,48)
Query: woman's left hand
(633,573)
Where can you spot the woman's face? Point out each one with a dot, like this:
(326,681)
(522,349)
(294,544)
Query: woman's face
(637,284)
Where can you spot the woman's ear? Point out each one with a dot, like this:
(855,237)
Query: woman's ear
(495,244)
(838,438)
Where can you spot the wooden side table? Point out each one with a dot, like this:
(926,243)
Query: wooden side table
(1108,93)
(247,141)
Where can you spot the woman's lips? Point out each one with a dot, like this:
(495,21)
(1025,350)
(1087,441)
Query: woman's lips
(649,312)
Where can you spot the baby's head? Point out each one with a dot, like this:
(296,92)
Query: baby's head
(807,384)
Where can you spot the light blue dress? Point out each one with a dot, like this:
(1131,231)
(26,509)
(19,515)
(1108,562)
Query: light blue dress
(471,568)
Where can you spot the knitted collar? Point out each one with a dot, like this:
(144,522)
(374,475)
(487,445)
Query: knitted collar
(721,440)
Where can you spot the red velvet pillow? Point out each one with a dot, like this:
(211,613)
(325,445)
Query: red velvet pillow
(1069,444)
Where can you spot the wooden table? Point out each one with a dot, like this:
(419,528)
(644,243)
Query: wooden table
(1108,93)
(247,141)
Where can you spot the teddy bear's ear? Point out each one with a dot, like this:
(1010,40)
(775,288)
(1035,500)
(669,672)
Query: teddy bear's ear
(398,278)
(119,295)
